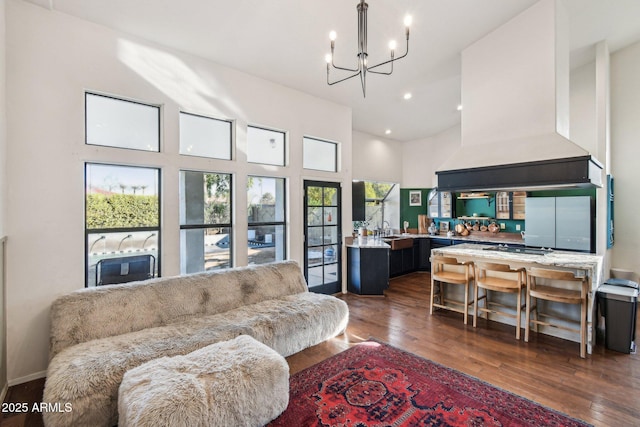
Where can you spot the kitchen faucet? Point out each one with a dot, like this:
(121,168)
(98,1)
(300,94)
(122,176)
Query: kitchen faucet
(386,228)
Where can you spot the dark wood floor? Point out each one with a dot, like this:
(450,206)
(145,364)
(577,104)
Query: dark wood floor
(603,389)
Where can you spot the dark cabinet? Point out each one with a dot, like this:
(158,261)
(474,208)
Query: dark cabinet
(401,261)
(422,253)
(357,201)
(407,260)
(368,270)
(395,263)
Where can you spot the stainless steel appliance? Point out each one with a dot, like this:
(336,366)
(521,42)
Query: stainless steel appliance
(560,223)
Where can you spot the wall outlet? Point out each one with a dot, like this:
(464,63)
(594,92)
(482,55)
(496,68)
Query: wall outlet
(517,227)
(502,226)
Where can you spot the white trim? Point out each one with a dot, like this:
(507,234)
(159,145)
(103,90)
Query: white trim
(3,393)
(27,378)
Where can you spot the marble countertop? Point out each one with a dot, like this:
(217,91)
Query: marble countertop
(590,263)
(366,243)
(475,236)
(479,236)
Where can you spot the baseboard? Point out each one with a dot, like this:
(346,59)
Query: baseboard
(3,394)
(27,378)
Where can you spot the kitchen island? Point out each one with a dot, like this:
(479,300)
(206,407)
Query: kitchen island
(581,264)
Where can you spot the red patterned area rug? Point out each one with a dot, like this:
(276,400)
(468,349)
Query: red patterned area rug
(375,384)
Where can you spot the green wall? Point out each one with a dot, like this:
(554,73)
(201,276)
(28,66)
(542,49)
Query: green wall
(479,206)
(410,213)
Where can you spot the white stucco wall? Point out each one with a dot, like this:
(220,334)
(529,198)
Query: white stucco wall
(3,192)
(421,158)
(3,120)
(625,152)
(52,59)
(583,108)
(376,159)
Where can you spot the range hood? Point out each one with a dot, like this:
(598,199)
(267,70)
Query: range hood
(515,116)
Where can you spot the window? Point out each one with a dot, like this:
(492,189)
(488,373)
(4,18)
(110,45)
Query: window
(265,146)
(205,221)
(319,155)
(119,123)
(122,223)
(205,137)
(266,219)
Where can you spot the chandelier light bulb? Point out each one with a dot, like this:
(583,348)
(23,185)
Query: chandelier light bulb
(392,45)
(408,95)
(408,20)
(327,58)
(332,36)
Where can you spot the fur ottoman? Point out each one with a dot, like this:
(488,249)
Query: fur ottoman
(240,382)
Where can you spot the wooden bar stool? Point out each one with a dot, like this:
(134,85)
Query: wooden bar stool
(555,293)
(442,273)
(511,281)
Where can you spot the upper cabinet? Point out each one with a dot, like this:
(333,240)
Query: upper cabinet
(442,205)
(510,205)
(519,198)
(503,205)
(357,201)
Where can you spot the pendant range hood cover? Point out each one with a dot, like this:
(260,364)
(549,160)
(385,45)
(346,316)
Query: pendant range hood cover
(515,116)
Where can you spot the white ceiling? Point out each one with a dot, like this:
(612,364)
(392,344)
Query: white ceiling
(285,41)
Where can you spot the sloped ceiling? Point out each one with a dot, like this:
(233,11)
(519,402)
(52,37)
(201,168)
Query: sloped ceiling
(285,41)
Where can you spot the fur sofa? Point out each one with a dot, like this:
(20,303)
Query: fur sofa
(98,334)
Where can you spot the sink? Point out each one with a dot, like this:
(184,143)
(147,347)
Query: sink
(398,242)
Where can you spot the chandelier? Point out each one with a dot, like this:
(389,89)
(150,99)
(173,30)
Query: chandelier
(362,67)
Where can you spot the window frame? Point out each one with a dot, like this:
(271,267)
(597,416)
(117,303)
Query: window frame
(282,223)
(326,141)
(205,226)
(231,135)
(285,141)
(123,99)
(157,229)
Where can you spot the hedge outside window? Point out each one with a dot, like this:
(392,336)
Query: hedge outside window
(205,221)
(122,222)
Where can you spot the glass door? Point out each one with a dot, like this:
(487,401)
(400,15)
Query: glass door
(322,236)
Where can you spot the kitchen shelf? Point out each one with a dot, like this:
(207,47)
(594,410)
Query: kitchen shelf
(475,196)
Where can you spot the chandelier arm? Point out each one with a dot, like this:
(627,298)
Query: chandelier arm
(341,80)
(389,61)
(386,73)
(344,69)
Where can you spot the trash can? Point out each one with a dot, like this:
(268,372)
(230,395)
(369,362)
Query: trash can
(618,301)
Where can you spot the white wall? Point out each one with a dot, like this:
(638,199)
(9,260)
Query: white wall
(421,158)
(3,204)
(583,108)
(376,159)
(3,120)
(625,153)
(52,59)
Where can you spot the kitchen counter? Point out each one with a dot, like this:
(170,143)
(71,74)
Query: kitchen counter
(478,236)
(580,264)
(475,236)
(366,242)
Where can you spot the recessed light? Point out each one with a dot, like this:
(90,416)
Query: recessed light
(387,132)
(459,107)
(407,95)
